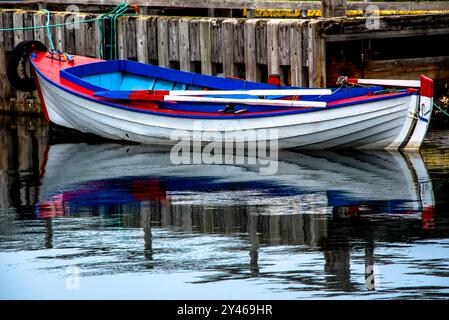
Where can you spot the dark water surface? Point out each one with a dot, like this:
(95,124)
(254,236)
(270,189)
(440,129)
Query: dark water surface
(108,220)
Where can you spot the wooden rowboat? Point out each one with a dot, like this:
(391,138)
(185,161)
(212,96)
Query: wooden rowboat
(126,100)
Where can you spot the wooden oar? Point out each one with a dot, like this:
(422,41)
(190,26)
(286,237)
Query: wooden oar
(264,102)
(132,95)
(258,92)
(386,82)
(150,96)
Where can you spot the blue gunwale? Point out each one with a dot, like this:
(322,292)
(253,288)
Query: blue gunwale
(73,75)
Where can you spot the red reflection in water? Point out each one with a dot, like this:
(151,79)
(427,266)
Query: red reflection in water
(428,218)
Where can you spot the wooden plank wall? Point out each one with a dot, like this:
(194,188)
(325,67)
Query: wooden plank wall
(252,49)
(249,49)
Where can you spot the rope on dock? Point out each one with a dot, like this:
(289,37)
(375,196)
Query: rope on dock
(113,15)
(47,25)
(441,109)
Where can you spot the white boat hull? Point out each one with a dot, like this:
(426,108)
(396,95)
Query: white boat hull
(385,124)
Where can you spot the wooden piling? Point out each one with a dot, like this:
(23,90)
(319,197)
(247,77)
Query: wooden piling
(91,45)
(40,19)
(131,43)
(80,37)
(3,79)
(173,40)
(18,38)
(250,51)
(227,33)
(59,39)
(69,34)
(162,42)
(296,54)
(261,43)
(284,42)
(152,39)
(239,41)
(273,47)
(316,56)
(8,45)
(205,46)
(98,39)
(142,40)
(216,44)
(184,45)
(121,38)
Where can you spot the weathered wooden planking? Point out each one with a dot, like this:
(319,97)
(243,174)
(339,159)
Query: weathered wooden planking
(6,45)
(59,40)
(80,36)
(239,41)
(18,38)
(4,86)
(217,42)
(296,54)
(261,42)
(162,43)
(69,34)
(250,51)
(173,39)
(316,55)
(91,46)
(290,44)
(284,42)
(28,23)
(98,39)
(305,43)
(152,38)
(347,29)
(227,33)
(194,34)
(273,47)
(39,20)
(184,45)
(121,38)
(17,19)
(385,34)
(142,40)
(126,38)
(206,46)
(411,68)
(131,41)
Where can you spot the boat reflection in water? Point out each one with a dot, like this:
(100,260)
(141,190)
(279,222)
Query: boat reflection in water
(319,200)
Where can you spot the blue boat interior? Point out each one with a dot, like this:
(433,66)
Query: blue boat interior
(125,75)
(130,75)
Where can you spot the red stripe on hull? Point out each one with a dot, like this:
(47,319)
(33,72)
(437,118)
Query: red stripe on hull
(41,98)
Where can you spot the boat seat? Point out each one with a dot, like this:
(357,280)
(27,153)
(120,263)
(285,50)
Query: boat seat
(163,85)
(135,82)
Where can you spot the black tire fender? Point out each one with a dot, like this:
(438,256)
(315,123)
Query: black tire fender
(16,66)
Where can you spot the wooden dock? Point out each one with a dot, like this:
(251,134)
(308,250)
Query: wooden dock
(304,52)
